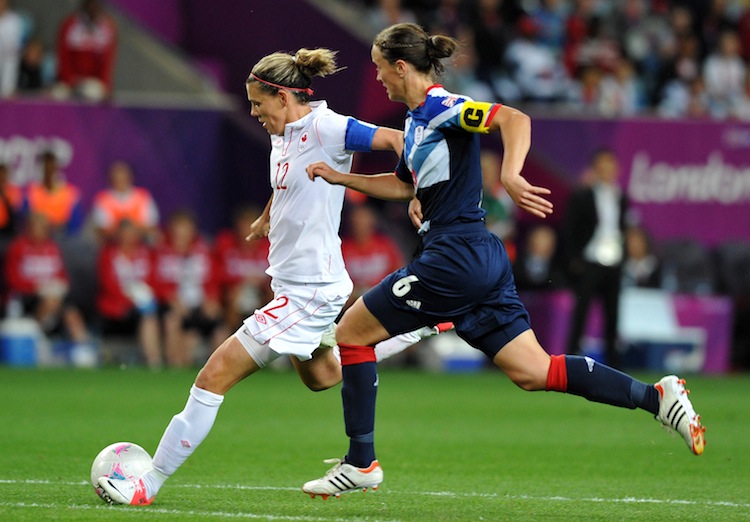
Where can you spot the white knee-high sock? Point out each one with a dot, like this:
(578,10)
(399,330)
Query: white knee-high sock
(397,344)
(183,435)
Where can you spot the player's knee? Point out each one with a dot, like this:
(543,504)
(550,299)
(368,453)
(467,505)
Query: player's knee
(206,379)
(212,377)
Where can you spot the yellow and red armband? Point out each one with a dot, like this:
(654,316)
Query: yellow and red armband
(476,116)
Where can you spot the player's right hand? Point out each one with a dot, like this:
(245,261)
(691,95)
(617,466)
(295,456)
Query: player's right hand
(321,169)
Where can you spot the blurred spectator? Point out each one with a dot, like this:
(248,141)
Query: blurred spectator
(242,266)
(501,217)
(11,42)
(549,17)
(724,75)
(11,199)
(448,17)
(538,266)
(35,71)
(642,268)
(125,300)
(186,287)
(586,91)
(593,228)
(598,49)
(646,39)
(462,76)
(678,70)
(619,92)
(55,198)
(535,72)
(86,48)
(576,32)
(714,19)
(685,100)
(368,254)
(682,21)
(492,22)
(389,12)
(37,282)
(123,200)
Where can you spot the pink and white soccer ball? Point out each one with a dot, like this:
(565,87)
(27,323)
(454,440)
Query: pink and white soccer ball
(120,460)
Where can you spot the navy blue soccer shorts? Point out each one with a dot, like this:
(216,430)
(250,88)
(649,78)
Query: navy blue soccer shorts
(463,275)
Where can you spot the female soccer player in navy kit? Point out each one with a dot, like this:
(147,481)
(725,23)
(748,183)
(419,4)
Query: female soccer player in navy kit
(309,280)
(463,273)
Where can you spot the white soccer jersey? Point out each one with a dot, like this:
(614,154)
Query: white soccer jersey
(306,215)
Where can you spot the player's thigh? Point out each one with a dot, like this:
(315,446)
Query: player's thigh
(358,326)
(524,361)
(228,365)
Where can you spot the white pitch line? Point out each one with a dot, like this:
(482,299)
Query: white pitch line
(183,513)
(448,494)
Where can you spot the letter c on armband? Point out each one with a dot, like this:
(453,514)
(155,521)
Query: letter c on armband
(476,116)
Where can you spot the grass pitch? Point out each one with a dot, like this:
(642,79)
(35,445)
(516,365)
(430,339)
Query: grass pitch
(453,447)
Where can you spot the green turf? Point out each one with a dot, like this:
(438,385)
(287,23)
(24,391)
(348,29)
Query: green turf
(454,447)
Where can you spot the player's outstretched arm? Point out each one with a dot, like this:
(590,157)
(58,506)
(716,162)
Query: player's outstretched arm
(381,186)
(388,139)
(515,129)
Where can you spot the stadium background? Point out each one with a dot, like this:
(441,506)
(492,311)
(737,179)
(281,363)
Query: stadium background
(177,114)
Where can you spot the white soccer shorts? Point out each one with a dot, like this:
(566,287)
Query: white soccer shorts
(294,321)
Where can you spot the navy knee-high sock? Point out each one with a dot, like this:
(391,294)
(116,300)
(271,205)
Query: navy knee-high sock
(599,383)
(358,393)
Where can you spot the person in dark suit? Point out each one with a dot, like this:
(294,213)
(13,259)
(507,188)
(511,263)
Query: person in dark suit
(593,236)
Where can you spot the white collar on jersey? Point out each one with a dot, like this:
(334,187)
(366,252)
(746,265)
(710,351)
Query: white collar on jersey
(304,120)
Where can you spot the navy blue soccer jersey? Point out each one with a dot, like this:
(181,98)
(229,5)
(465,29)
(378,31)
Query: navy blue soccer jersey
(442,160)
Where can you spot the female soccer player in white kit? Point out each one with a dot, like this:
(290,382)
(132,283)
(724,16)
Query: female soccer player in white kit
(309,280)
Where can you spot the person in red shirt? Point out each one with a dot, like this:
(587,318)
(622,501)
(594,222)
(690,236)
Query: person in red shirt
(368,254)
(86,49)
(37,281)
(125,300)
(186,287)
(242,268)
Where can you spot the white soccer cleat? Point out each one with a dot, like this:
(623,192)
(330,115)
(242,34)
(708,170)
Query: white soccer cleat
(343,478)
(130,491)
(676,412)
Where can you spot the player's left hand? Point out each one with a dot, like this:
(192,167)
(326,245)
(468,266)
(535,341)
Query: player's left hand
(529,197)
(415,212)
(259,229)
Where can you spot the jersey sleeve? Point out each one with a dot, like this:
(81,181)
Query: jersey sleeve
(359,135)
(332,131)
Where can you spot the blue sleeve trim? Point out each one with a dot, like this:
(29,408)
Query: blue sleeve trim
(359,136)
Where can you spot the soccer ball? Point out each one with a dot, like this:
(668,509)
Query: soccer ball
(120,460)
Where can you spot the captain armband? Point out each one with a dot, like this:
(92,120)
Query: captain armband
(477,116)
